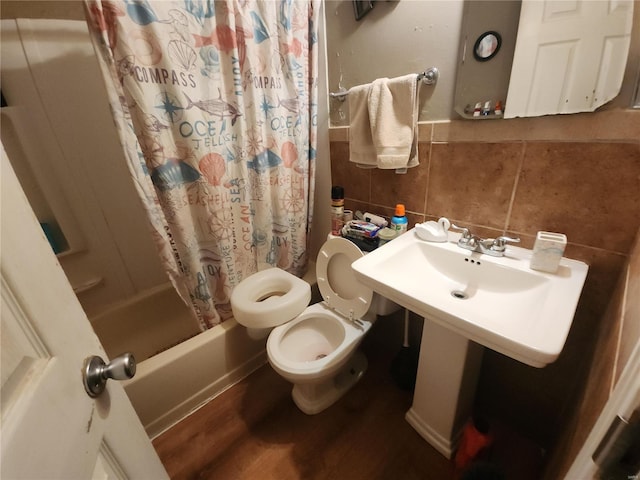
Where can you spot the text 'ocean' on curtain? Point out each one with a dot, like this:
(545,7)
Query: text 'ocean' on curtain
(215,104)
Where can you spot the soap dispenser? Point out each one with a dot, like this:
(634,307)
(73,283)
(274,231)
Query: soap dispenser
(434,231)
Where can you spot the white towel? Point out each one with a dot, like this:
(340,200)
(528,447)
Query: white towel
(393,116)
(361,148)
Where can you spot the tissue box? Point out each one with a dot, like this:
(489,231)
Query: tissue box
(547,251)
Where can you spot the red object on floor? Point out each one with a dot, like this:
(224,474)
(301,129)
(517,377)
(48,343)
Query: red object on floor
(475,438)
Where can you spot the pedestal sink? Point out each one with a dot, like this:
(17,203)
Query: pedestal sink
(469,301)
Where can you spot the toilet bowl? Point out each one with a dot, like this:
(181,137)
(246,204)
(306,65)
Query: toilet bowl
(313,348)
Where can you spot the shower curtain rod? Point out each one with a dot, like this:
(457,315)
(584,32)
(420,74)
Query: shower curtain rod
(428,77)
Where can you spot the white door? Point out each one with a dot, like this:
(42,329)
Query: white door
(50,427)
(570,56)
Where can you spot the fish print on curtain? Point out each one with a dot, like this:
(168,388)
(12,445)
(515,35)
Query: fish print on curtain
(215,103)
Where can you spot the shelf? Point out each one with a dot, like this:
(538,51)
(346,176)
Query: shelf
(88,285)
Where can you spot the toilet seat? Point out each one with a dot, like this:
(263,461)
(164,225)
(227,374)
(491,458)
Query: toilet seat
(269,298)
(340,288)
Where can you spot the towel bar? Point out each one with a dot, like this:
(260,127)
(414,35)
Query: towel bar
(428,77)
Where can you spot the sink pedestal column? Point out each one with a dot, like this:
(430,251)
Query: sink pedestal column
(448,371)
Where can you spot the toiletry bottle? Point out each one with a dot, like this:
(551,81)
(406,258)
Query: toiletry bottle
(399,222)
(337,209)
(498,110)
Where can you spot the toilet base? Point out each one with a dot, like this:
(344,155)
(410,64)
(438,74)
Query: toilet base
(313,398)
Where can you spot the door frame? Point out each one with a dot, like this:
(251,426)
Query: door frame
(624,399)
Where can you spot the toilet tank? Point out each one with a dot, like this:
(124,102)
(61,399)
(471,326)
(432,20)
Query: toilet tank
(382,305)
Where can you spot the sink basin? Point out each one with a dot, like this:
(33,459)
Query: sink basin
(498,302)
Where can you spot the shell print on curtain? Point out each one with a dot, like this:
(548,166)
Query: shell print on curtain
(215,104)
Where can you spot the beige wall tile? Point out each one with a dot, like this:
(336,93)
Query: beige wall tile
(473,182)
(356,181)
(425,131)
(339,134)
(390,188)
(58,9)
(589,191)
(604,272)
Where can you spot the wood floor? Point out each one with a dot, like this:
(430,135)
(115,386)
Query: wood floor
(253,431)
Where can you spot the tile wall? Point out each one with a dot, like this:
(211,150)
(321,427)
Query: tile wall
(619,335)
(578,174)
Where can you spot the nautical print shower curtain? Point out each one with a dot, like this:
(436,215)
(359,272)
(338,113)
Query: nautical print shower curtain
(215,104)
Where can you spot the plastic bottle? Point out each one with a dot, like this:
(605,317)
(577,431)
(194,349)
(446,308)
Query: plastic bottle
(337,209)
(498,110)
(399,222)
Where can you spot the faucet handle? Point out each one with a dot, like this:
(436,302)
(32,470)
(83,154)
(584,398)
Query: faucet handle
(499,243)
(465,231)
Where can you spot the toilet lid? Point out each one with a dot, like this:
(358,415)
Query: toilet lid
(337,282)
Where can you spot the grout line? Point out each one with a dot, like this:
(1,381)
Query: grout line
(426,190)
(507,220)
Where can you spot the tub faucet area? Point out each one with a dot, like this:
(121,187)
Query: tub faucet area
(489,246)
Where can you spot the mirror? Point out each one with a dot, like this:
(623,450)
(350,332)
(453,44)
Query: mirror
(487,46)
(576,66)
(406,36)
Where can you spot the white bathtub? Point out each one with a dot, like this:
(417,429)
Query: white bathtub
(190,368)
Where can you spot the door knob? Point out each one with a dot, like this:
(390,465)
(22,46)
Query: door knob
(96,373)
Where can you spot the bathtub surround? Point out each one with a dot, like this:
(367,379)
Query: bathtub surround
(217,114)
(578,175)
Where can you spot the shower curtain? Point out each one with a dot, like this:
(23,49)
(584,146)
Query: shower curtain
(215,105)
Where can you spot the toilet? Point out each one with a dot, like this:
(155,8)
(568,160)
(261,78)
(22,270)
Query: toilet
(314,347)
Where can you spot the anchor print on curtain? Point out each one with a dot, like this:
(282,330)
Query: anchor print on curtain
(215,105)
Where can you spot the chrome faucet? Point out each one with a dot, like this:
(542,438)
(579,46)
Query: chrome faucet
(489,246)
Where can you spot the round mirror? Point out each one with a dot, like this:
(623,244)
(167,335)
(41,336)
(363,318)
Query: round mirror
(487,45)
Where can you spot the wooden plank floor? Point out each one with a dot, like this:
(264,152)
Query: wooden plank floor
(254,431)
